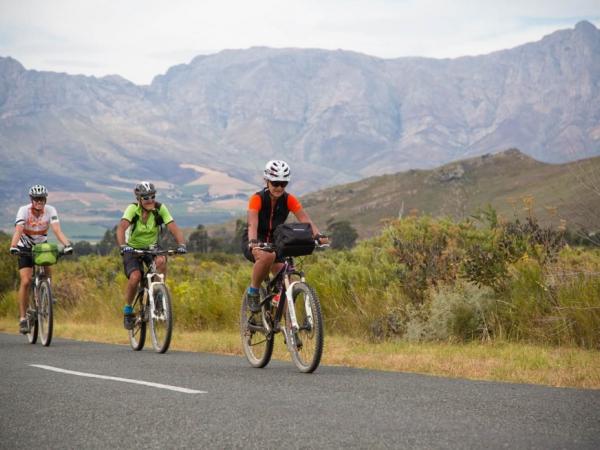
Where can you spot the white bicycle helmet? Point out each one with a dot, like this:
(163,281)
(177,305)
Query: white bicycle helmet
(277,170)
(38,190)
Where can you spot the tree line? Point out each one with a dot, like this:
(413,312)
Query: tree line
(220,240)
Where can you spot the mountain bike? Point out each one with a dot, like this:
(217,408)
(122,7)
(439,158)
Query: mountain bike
(152,304)
(39,312)
(287,298)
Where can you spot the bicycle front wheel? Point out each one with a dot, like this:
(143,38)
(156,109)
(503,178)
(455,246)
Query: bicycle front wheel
(44,315)
(161,318)
(32,318)
(257,343)
(306,345)
(137,335)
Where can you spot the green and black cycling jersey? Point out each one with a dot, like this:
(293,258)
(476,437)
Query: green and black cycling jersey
(144,235)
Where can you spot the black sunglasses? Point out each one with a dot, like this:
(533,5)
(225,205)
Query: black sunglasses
(279,183)
(148,197)
(38,199)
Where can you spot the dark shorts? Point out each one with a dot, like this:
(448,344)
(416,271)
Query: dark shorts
(25,261)
(132,262)
(247,251)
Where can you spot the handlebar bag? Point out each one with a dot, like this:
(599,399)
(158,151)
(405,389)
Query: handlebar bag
(45,254)
(294,239)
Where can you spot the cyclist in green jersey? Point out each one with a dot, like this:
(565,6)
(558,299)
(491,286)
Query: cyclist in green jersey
(139,229)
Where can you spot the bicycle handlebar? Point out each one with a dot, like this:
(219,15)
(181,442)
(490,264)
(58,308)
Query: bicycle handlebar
(155,252)
(29,252)
(270,247)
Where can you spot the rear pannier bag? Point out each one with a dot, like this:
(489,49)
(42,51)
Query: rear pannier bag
(45,254)
(294,239)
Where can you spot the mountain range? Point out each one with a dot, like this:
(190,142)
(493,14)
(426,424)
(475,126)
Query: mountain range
(204,130)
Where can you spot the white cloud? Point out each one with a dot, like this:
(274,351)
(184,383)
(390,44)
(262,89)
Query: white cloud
(139,39)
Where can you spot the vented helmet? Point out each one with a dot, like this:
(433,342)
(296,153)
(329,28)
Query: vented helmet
(144,188)
(277,170)
(38,190)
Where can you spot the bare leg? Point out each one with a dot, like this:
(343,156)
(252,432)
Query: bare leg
(276,267)
(262,265)
(132,284)
(161,265)
(26,274)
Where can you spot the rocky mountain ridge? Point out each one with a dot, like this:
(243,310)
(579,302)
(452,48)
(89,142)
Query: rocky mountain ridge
(336,116)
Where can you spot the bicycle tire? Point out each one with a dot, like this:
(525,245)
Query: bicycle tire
(307,346)
(31,315)
(137,335)
(161,319)
(45,317)
(258,346)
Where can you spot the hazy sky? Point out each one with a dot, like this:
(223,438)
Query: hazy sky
(139,39)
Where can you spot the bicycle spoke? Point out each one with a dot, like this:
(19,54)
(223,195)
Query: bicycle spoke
(32,319)
(307,344)
(161,320)
(137,336)
(258,344)
(45,313)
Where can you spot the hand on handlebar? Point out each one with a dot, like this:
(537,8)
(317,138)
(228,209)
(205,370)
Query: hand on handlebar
(264,246)
(322,239)
(14,250)
(126,249)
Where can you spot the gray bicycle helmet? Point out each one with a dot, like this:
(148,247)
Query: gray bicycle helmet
(38,190)
(144,188)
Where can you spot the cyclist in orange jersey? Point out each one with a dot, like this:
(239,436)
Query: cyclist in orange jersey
(266,210)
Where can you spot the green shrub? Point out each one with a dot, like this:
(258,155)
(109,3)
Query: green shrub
(420,279)
(463,312)
(9,275)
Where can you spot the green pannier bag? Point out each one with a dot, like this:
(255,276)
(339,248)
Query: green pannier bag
(45,254)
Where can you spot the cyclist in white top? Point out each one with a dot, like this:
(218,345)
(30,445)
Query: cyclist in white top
(31,227)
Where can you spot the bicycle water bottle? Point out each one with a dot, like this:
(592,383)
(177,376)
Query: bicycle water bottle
(275,300)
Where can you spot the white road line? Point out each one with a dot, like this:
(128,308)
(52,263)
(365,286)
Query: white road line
(124,380)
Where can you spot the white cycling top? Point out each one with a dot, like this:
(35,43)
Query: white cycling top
(35,228)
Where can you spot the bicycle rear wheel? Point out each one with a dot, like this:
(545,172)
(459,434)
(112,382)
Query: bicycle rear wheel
(32,318)
(257,343)
(161,319)
(137,335)
(44,315)
(306,345)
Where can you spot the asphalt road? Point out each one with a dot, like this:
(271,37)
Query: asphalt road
(275,407)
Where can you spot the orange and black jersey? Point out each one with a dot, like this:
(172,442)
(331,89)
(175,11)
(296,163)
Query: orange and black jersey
(271,214)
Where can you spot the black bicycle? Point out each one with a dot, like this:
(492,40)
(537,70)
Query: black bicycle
(152,304)
(39,313)
(288,304)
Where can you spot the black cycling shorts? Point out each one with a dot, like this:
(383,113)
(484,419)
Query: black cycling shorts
(25,261)
(132,262)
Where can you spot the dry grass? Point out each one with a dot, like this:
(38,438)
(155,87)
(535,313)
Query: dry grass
(508,362)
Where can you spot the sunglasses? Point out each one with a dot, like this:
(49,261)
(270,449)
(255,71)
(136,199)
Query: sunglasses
(148,197)
(38,199)
(278,183)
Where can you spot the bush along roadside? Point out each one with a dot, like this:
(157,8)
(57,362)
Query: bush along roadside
(421,279)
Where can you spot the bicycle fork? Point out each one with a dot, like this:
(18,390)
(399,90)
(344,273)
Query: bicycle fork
(290,337)
(151,284)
